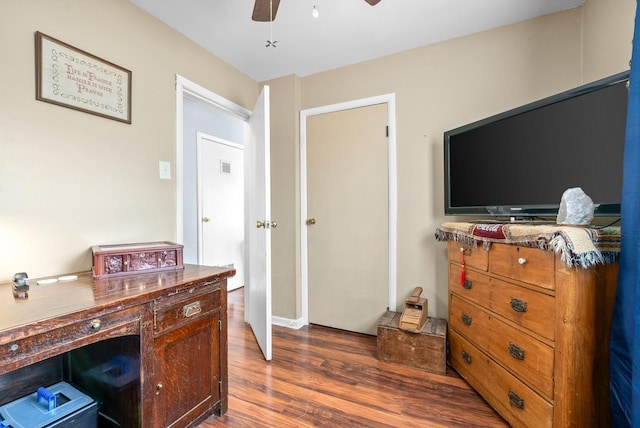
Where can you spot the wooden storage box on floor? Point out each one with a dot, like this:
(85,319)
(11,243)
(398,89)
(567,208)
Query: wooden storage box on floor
(426,350)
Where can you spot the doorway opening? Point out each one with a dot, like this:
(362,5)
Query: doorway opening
(221,205)
(253,127)
(198,109)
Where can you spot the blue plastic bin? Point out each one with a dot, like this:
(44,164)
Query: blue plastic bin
(55,406)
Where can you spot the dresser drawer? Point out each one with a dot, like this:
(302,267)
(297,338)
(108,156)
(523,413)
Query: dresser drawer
(514,401)
(529,359)
(473,257)
(528,308)
(476,285)
(176,311)
(523,355)
(530,265)
(470,321)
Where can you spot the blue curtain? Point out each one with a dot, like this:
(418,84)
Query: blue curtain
(624,351)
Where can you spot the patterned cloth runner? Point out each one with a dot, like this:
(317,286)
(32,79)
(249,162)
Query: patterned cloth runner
(578,246)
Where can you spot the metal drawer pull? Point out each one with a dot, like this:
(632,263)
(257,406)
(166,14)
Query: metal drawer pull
(466,357)
(515,400)
(95,324)
(516,352)
(191,309)
(466,319)
(467,284)
(518,305)
(522,260)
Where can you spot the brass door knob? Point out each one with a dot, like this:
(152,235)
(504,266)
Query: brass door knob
(267,224)
(310,221)
(205,219)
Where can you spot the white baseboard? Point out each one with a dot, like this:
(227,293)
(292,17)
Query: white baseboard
(287,322)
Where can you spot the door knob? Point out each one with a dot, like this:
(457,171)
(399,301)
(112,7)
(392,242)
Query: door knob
(205,219)
(311,221)
(267,224)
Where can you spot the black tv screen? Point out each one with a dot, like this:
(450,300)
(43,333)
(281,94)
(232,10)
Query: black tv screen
(520,162)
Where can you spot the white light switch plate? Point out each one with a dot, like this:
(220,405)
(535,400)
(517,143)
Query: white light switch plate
(165,170)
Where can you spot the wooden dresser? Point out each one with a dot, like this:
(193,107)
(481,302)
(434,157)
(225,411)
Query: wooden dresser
(151,348)
(531,335)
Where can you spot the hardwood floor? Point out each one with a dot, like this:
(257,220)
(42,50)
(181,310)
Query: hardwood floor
(322,377)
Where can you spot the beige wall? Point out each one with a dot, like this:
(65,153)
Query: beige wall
(449,84)
(608,34)
(69,180)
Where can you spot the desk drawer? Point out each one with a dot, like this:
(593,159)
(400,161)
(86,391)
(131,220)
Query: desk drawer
(58,340)
(176,311)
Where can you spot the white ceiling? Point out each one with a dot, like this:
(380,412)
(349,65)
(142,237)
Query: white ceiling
(345,32)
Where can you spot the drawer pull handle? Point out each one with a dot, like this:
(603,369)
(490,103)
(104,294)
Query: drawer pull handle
(158,388)
(515,400)
(95,324)
(466,357)
(516,352)
(466,319)
(522,260)
(467,284)
(191,309)
(518,305)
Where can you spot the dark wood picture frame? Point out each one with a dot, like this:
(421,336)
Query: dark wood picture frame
(72,78)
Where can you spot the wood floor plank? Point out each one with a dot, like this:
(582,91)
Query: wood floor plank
(323,377)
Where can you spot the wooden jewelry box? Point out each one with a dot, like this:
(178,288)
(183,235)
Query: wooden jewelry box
(127,259)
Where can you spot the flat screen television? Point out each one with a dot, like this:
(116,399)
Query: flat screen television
(520,162)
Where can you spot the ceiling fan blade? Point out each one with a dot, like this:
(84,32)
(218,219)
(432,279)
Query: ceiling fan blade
(265,10)
(372,2)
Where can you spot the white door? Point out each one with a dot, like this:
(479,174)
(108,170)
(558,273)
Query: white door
(347,190)
(221,205)
(258,225)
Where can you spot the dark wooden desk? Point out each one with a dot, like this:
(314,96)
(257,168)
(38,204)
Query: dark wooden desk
(167,330)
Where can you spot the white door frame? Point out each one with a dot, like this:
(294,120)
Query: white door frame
(187,87)
(390,100)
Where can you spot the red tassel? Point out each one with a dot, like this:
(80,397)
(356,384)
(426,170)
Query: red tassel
(462,267)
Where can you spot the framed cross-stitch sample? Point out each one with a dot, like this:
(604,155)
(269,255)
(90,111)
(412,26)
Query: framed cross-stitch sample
(73,78)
